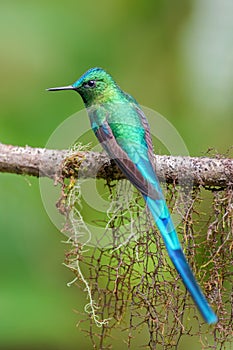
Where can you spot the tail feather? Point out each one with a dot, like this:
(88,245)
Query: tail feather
(168,232)
(181,265)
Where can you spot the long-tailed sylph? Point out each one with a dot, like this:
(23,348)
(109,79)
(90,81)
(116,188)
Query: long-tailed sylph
(122,128)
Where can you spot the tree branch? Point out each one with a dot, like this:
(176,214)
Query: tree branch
(52,163)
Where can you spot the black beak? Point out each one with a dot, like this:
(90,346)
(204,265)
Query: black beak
(69,87)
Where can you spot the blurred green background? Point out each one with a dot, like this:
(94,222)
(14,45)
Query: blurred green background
(174,57)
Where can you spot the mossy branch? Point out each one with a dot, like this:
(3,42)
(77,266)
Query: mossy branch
(51,163)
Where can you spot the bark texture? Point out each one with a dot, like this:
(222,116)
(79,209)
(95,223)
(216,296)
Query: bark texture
(52,163)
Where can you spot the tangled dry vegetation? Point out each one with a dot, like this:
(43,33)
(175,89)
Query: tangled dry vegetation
(129,281)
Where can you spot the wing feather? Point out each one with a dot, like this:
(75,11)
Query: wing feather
(131,171)
(147,134)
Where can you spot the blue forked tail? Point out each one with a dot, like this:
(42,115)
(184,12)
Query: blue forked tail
(181,265)
(163,220)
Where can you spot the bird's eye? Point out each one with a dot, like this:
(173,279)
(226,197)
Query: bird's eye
(90,84)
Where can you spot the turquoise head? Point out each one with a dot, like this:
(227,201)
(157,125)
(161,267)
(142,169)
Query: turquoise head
(95,86)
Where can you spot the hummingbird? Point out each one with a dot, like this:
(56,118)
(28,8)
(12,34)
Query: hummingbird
(123,131)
